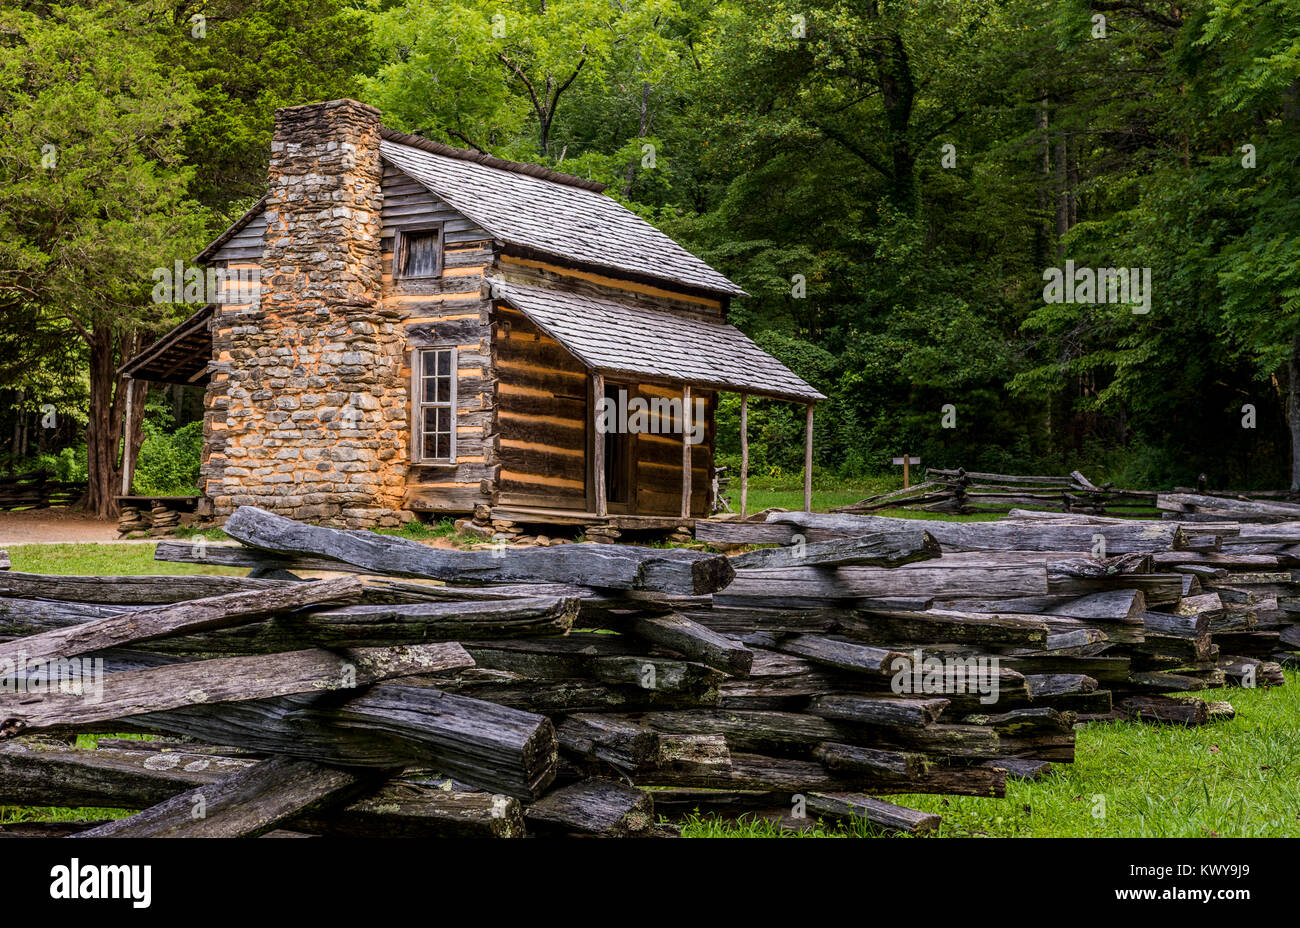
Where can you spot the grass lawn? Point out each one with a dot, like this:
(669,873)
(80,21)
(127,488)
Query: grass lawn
(828,494)
(103,559)
(1229,779)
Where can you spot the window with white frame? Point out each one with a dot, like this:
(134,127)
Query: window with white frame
(434,373)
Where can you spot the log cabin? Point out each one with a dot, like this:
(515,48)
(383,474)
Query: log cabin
(406,328)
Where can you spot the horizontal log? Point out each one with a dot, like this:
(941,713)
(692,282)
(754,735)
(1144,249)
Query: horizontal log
(881,814)
(611,566)
(677,686)
(1230,508)
(227,554)
(805,586)
(1163,709)
(693,640)
(1115,604)
(122,591)
(852,759)
(777,679)
(243,804)
(491,747)
(232,679)
(746,730)
(1123,538)
(594,807)
(609,738)
(193,616)
(733,532)
(843,655)
(34,772)
(876,549)
(888,711)
(880,627)
(759,772)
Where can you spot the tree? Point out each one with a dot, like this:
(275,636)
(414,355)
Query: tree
(247,58)
(93,191)
(482,75)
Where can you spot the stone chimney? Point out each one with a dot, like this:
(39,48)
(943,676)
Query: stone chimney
(313,400)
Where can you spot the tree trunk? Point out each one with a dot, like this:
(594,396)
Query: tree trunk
(643,128)
(897,92)
(1293,409)
(1043,233)
(1062,196)
(107,408)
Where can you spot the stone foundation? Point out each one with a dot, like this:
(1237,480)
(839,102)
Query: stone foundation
(307,411)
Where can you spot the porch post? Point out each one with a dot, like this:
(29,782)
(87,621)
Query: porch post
(128,462)
(807,460)
(686,451)
(598,444)
(744,453)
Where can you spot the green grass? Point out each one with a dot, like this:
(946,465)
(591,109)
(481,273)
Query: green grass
(103,560)
(192,531)
(431,531)
(1227,779)
(830,493)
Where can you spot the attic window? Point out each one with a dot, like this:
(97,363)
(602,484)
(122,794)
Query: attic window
(419,252)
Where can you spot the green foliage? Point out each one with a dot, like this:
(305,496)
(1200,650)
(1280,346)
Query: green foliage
(169,460)
(245,59)
(887,180)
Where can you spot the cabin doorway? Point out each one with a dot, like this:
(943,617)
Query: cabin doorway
(618,456)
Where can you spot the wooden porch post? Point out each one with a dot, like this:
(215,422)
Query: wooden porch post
(128,462)
(807,460)
(744,453)
(686,451)
(598,444)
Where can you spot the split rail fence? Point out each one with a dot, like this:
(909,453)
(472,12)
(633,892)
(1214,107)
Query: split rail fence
(358,684)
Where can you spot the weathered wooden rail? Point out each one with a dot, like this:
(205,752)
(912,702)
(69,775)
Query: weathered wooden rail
(962,491)
(38,490)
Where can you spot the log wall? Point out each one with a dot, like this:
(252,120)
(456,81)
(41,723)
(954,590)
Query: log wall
(444,312)
(541,413)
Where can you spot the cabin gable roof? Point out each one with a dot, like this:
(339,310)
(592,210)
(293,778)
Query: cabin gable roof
(536,210)
(550,214)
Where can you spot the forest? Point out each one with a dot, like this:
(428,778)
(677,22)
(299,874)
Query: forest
(1020,236)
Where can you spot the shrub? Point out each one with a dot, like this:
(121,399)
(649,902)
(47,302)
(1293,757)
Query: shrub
(168,464)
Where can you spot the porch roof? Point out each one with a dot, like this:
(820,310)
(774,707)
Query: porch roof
(180,356)
(618,339)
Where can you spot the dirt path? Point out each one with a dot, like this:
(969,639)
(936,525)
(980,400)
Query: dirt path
(54,526)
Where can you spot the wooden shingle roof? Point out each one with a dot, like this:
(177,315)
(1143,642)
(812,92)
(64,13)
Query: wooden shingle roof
(549,213)
(180,356)
(616,338)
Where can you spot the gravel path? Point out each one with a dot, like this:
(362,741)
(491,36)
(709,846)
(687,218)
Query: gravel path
(54,526)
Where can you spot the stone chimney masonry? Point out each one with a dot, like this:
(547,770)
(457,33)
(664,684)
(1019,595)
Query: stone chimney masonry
(314,402)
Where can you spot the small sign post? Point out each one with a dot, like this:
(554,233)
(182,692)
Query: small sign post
(907,471)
